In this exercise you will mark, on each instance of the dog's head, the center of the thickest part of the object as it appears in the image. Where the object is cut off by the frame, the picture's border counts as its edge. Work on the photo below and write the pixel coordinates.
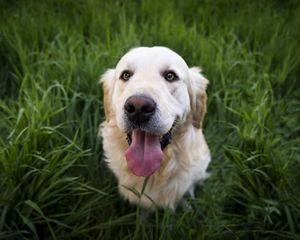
(150, 91)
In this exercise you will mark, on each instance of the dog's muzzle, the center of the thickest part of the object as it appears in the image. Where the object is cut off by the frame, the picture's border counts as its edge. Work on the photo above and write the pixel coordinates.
(144, 153)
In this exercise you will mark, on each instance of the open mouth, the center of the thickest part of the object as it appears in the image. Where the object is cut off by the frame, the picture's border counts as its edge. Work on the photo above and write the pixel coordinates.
(164, 140)
(144, 153)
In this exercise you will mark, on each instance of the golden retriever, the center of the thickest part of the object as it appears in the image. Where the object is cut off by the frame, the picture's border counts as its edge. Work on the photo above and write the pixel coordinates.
(154, 107)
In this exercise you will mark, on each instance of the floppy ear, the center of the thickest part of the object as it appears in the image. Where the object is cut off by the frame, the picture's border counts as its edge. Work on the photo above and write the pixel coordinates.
(197, 92)
(107, 81)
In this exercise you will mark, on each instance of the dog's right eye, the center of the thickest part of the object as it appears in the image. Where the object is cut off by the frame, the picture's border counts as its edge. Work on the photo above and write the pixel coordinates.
(170, 76)
(126, 75)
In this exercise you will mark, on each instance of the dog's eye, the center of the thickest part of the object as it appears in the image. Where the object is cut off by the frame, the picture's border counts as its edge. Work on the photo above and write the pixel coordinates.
(170, 76)
(125, 75)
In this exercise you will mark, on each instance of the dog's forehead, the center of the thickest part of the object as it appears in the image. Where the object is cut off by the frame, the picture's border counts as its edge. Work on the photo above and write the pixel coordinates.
(157, 57)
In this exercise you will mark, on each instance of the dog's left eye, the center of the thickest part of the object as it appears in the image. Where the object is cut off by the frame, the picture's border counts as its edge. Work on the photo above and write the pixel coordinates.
(125, 75)
(170, 76)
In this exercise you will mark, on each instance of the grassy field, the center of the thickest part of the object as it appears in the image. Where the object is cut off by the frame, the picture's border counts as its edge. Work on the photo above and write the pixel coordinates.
(53, 181)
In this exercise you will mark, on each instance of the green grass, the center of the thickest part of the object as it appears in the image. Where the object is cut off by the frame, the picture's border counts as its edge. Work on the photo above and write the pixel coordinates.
(54, 183)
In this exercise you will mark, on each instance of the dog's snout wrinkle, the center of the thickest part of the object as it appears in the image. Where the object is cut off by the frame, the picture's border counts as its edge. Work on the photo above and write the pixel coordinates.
(139, 108)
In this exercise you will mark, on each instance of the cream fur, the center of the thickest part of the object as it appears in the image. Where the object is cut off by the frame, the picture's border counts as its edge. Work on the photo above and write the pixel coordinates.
(187, 157)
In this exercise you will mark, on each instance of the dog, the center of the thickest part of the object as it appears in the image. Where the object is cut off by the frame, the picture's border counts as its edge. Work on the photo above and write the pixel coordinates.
(154, 107)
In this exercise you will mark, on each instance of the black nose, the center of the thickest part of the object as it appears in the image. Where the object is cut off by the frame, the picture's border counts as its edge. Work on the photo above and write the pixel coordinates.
(139, 108)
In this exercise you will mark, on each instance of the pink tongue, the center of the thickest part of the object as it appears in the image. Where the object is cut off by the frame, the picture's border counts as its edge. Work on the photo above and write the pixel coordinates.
(144, 153)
